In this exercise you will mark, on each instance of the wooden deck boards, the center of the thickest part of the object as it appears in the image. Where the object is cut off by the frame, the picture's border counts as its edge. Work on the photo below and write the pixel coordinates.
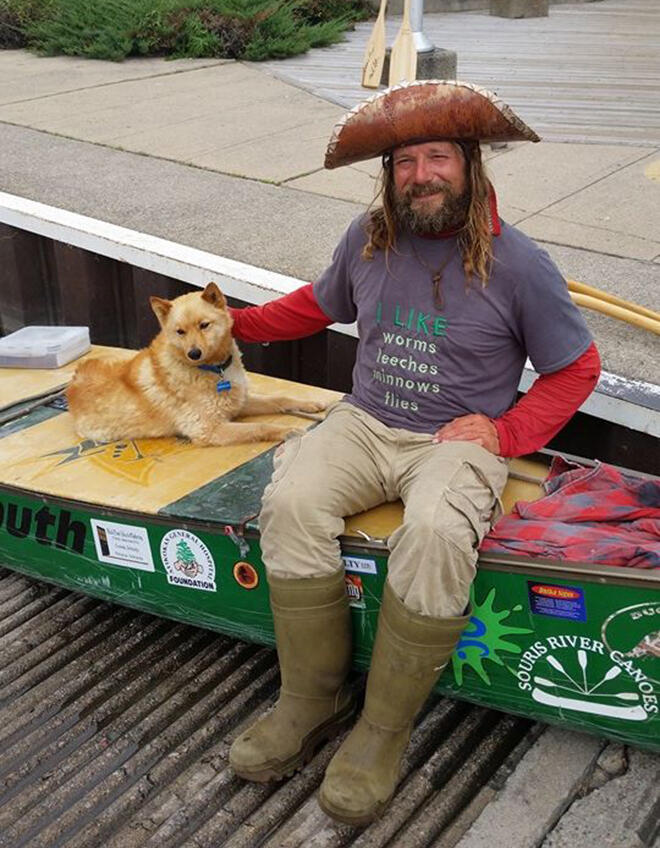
(589, 72)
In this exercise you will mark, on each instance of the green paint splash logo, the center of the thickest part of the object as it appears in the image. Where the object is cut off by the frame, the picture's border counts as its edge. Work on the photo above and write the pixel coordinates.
(484, 637)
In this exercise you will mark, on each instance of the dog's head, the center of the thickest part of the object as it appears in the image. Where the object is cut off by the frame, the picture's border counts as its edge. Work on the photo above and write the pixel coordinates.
(196, 325)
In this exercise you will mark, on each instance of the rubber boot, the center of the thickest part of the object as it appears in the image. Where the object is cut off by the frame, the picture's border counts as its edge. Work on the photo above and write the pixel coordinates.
(409, 654)
(313, 636)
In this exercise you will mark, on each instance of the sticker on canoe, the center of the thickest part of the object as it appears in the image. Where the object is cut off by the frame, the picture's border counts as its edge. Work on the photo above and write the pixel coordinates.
(577, 674)
(245, 574)
(187, 560)
(488, 637)
(133, 459)
(634, 633)
(355, 591)
(122, 544)
(360, 565)
(557, 601)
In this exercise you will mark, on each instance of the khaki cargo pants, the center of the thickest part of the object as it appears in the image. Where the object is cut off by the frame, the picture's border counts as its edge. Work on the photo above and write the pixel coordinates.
(352, 462)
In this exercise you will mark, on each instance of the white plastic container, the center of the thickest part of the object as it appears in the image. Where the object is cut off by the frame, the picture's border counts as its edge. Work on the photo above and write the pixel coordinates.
(43, 347)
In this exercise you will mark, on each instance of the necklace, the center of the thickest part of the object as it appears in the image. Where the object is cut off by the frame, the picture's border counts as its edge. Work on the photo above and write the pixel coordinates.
(435, 273)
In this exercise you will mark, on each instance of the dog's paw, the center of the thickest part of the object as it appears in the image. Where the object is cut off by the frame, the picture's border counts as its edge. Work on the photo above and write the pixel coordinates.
(276, 433)
(311, 405)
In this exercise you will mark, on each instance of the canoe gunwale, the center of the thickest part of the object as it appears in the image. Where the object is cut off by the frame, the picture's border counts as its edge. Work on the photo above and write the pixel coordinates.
(539, 566)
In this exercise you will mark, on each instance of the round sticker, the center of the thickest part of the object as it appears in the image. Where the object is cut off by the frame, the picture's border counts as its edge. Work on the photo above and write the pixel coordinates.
(634, 633)
(187, 560)
(246, 575)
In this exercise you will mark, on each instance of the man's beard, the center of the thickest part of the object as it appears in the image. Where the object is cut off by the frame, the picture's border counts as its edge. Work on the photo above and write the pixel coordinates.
(451, 214)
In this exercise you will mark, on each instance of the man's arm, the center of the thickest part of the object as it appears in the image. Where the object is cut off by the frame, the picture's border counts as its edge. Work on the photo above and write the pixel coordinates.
(293, 316)
(537, 417)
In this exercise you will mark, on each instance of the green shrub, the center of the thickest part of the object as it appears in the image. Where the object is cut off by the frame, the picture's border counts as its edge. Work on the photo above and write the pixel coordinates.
(283, 34)
(97, 29)
(322, 11)
(16, 16)
(237, 29)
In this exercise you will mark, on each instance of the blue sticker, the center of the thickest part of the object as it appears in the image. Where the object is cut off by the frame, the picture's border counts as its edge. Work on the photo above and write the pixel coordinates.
(557, 601)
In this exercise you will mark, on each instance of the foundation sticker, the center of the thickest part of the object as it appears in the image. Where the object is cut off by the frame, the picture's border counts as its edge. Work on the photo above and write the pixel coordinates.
(187, 560)
(122, 544)
(245, 574)
(577, 674)
(360, 565)
(355, 591)
(485, 637)
(557, 601)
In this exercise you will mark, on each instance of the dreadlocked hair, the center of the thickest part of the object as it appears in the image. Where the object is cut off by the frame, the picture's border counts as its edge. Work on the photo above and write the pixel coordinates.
(475, 240)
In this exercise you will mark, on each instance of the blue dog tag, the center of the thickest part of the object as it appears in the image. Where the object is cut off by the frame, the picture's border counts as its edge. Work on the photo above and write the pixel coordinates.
(222, 386)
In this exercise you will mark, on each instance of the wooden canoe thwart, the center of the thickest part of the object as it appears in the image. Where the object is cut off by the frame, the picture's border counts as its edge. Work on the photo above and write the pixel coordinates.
(172, 529)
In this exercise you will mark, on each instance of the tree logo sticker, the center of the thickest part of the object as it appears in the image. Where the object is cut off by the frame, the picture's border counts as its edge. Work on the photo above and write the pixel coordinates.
(187, 561)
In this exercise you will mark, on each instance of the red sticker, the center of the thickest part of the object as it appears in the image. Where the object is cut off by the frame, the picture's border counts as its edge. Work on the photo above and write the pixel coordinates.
(556, 592)
(246, 575)
(354, 590)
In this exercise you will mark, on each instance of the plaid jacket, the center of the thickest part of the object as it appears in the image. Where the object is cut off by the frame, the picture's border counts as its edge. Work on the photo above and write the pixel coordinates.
(593, 514)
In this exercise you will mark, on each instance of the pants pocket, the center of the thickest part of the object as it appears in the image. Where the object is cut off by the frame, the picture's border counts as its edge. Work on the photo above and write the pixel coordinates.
(283, 458)
(494, 478)
(475, 494)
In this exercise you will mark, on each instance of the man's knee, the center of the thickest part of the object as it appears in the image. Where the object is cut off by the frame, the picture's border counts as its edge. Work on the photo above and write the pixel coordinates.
(297, 505)
(433, 562)
(448, 532)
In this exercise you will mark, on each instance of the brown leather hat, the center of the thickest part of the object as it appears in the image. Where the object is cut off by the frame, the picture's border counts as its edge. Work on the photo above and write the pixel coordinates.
(419, 111)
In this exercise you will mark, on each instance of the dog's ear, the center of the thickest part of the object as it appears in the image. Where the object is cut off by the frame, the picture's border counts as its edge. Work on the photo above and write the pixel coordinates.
(161, 307)
(214, 296)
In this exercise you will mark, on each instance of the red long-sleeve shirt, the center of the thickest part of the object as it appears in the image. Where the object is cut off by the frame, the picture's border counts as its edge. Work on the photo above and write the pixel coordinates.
(529, 425)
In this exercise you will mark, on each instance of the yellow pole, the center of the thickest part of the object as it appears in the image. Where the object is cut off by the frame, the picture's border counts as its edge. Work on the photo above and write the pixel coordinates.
(616, 311)
(591, 291)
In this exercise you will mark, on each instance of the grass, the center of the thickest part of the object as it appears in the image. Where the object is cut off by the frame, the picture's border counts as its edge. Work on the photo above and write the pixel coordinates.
(236, 29)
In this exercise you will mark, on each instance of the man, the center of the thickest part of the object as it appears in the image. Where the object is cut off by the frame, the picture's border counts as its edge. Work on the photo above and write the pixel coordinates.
(449, 302)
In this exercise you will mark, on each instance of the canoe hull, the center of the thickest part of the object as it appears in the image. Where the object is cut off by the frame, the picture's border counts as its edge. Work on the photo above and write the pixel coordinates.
(554, 643)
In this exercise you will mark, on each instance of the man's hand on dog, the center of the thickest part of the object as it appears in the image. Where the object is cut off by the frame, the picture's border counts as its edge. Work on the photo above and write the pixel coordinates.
(470, 428)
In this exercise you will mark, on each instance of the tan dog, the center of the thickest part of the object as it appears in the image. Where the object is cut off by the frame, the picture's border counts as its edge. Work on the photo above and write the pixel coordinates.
(189, 382)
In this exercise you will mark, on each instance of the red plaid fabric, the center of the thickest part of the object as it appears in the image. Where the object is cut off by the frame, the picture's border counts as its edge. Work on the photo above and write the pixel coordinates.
(594, 514)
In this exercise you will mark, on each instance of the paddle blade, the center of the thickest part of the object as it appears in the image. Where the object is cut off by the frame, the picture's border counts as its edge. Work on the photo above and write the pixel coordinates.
(374, 55)
(403, 59)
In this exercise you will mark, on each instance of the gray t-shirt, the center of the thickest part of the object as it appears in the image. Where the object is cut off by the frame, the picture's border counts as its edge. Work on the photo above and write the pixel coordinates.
(419, 366)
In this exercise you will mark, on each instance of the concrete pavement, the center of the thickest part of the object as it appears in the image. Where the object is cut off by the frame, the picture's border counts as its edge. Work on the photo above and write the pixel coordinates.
(227, 157)
(224, 157)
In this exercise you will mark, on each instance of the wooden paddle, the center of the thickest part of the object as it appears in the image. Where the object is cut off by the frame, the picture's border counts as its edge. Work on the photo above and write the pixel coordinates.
(403, 59)
(374, 54)
(592, 291)
(614, 311)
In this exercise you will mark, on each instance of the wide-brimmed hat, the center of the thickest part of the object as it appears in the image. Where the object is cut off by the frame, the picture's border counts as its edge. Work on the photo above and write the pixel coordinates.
(419, 111)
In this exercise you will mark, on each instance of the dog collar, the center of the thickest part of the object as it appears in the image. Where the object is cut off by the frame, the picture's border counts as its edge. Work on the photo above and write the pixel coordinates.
(221, 385)
(217, 369)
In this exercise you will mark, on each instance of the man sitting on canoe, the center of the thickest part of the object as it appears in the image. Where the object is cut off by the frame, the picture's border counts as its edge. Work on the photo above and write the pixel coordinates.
(449, 301)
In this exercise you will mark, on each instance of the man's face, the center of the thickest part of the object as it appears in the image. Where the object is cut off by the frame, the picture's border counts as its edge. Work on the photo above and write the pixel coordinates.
(430, 187)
